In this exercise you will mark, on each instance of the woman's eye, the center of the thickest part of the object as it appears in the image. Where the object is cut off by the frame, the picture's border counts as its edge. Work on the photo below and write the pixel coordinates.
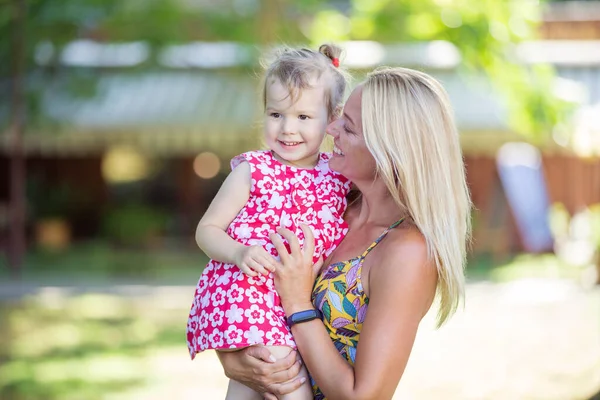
(303, 117)
(347, 130)
(275, 115)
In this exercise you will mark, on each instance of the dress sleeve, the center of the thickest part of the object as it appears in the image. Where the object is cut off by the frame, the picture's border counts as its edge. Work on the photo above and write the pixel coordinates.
(253, 159)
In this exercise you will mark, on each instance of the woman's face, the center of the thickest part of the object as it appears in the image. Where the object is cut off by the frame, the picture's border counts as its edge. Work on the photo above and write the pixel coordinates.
(351, 157)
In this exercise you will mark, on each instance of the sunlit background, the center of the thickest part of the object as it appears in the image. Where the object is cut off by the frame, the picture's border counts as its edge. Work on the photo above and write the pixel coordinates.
(118, 119)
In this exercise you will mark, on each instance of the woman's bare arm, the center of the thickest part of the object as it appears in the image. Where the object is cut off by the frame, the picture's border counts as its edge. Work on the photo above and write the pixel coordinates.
(402, 288)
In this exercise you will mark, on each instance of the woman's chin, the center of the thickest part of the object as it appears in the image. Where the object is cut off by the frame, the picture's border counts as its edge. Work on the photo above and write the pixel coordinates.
(335, 162)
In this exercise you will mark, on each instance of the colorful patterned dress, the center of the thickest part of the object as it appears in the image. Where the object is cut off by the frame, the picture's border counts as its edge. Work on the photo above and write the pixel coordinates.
(232, 310)
(339, 294)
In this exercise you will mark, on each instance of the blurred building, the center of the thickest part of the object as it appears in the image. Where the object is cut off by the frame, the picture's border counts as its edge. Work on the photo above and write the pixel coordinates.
(164, 137)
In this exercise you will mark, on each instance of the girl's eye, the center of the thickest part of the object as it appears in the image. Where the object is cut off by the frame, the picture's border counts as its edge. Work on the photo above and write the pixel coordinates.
(275, 115)
(347, 130)
(303, 117)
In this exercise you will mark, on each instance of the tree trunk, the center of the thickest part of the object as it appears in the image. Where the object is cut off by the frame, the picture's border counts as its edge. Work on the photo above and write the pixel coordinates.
(17, 241)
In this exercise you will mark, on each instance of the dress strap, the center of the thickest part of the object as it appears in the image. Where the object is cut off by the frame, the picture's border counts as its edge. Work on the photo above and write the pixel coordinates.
(380, 238)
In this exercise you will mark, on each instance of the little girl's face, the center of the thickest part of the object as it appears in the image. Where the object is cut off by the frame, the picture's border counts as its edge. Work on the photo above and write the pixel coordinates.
(295, 130)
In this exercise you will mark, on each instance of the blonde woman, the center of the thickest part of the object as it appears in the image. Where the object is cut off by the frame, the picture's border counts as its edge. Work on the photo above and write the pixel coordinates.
(408, 230)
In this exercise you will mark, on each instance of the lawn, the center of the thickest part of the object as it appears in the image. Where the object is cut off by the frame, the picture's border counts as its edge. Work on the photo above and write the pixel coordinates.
(105, 343)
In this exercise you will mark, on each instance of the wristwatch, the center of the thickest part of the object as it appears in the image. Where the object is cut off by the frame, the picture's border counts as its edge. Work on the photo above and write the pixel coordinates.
(303, 316)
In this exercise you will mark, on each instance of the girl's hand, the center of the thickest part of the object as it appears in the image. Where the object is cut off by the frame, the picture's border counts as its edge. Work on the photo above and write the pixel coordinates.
(295, 274)
(256, 368)
(254, 260)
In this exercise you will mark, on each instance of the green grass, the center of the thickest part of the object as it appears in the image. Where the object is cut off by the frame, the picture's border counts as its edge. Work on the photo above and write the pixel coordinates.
(55, 346)
(520, 266)
(98, 262)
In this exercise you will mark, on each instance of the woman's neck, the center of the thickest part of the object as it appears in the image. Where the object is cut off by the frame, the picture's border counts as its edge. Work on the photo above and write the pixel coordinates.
(377, 206)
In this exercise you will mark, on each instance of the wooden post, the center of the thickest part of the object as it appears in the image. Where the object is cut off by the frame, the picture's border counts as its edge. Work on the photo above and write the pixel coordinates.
(16, 250)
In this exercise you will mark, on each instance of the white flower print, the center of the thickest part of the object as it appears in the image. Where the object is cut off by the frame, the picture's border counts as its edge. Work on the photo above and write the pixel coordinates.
(254, 335)
(218, 297)
(216, 338)
(234, 314)
(276, 201)
(269, 217)
(205, 300)
(258, 280)
(193, 324)
(275, 336)
(233, 335)
(289, 341)
(231, 309)
(266, 185)
(223, 280)
(325, 215)
(204, 320)
(203, 341)
(286, 220)
(254, 296)
(235, 294)
(262, 231)
(243, 231)
(255, 315)
(265, 169)
(216, 318)
(273, 319)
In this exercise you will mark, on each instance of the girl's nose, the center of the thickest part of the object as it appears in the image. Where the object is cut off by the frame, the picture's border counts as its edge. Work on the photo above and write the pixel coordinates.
(289, 126)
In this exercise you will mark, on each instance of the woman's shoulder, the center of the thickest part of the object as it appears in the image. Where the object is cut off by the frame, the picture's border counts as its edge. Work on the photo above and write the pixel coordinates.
(405, 267)
(405, 246)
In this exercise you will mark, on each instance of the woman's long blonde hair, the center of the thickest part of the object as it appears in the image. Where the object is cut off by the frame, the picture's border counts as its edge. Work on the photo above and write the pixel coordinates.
(409, 128)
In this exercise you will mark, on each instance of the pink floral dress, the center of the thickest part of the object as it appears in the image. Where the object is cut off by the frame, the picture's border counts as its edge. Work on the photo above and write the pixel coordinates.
(232, 310)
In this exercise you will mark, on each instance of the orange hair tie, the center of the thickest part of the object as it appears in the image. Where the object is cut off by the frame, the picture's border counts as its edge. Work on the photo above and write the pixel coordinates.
(336, 62)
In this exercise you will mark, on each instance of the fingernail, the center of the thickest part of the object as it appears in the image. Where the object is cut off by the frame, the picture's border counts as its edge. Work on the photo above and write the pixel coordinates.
(300, 361)
(302, 380)
(273, 359)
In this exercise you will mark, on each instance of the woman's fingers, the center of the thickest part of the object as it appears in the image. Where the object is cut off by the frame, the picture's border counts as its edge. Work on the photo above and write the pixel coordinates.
(317, 266)
(261, 353)
(292, 240)
(309, 242)
(280, 247)
(287, 387)
(288, 374)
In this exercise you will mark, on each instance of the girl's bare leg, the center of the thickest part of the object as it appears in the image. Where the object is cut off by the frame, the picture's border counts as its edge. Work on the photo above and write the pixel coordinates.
(304, 392)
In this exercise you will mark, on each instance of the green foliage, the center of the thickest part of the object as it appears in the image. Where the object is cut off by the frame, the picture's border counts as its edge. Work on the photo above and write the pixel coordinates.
(134, 224)
(483, 30)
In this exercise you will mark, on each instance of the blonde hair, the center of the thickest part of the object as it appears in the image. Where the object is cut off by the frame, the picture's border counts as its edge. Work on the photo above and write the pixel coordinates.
(409, 128)
(294, 68)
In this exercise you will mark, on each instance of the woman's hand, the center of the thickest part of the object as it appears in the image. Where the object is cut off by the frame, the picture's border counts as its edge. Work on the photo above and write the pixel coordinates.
(256, 368)
(295, 275)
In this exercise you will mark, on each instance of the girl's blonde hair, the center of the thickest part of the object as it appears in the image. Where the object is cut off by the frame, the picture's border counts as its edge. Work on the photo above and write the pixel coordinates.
(409, 128)
(295, 68)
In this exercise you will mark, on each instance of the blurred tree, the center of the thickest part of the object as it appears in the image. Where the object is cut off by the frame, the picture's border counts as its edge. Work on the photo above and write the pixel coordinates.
(30, 24)
(485, 32)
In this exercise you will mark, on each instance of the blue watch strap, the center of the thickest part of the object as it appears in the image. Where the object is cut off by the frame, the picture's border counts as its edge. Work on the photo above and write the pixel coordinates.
(304, 316)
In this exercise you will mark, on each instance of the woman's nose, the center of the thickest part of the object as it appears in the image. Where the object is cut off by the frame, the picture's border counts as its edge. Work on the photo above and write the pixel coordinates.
(333, 128)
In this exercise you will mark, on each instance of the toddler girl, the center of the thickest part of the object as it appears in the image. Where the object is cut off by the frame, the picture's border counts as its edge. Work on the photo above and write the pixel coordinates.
(235, 303)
